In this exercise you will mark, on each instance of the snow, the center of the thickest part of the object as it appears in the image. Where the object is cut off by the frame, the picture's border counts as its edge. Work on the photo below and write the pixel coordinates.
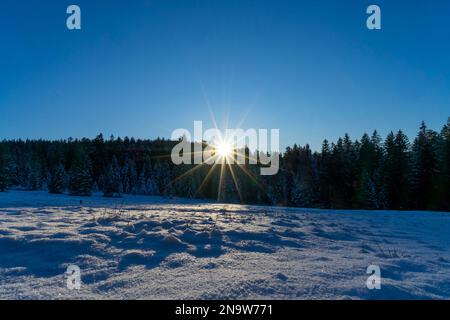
(140, 247)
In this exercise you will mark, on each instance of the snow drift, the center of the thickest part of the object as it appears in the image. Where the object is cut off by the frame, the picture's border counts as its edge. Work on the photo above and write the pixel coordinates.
(154, 248)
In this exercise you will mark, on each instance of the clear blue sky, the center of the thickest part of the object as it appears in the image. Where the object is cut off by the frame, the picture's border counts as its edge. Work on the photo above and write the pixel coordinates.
(145, 68)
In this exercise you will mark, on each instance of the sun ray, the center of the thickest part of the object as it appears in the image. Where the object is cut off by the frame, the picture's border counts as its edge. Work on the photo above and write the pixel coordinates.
(257, 183)
(233, 176)
(219, 192)
(210, 171)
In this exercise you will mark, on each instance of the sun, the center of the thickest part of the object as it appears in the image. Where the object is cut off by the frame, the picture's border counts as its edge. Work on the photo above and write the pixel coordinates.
(224, 149)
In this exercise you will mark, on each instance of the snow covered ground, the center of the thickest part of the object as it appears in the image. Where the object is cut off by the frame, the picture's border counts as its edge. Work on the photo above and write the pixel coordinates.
(153, 248)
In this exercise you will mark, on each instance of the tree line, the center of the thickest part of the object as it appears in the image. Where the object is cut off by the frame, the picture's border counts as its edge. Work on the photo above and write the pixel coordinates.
(370, 173)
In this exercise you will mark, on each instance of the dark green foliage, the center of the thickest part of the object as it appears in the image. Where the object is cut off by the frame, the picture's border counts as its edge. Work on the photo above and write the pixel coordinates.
(424, 168)
(35, 177)
(366, 197)
(397, 170)
(112, 186)
(4, 170)
(442, 197)
(80, 179)
(57, 177)
(347, 174)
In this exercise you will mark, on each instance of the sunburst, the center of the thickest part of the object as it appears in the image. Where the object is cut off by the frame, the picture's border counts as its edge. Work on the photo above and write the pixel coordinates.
(224, 149)
(225, 152)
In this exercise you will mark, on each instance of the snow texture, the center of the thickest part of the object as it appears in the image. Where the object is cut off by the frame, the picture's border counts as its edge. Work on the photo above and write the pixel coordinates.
(141, 247)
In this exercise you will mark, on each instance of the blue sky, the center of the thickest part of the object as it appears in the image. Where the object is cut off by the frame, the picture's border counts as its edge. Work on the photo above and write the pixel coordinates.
(144, 68)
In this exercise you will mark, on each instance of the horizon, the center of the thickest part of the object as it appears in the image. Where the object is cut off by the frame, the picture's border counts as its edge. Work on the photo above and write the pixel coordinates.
(107, 137)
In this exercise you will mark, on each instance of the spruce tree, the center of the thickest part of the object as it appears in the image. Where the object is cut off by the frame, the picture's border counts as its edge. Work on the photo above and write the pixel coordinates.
(161, 175)
(57, 176)
(133, 178)
(151, 187)
(112, 184)
(344, 173)
(442, 200)
(125, 177)
(4, 170)
(302, 194)
(140, 187)
(34, 178)
(366, 197)
(325, 180)
(396, 170)
(390, 168)
(424, 168)
(80, 179)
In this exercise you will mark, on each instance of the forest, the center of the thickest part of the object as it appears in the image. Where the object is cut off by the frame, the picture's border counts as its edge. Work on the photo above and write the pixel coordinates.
(369, 173)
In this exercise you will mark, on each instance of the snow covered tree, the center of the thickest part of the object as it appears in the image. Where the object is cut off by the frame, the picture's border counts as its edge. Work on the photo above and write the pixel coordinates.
(344, 174)
(276, 188)
(366, 197)
(227, 191)
(112, 184)
(302, 194)
(125, 178)
(132, 178)
(140, 186)
(80, 179)
(183, 180)
(146, 183)
(34, 179)
(57, 180)
(161, 175)
(151, 187)
(4, 170)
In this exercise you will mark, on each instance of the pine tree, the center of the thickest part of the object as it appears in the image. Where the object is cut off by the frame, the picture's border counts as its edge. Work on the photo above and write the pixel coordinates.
(161, 175)
(183, 181)
(112, 184)
(133, 178)
(99, 157)
(140, 187)
(344, 173)
(34, 179)
(80, 179)
(302, 194)
(277, 190)
(424, 168)
(151, 187)
(325, 181)
(4, 170)
(57, 176)
(228, 191)
(125, 177)
(23, 171)
(442, 199)
(146, 183)
(396, 170)
(366, 155)
(366, 197)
